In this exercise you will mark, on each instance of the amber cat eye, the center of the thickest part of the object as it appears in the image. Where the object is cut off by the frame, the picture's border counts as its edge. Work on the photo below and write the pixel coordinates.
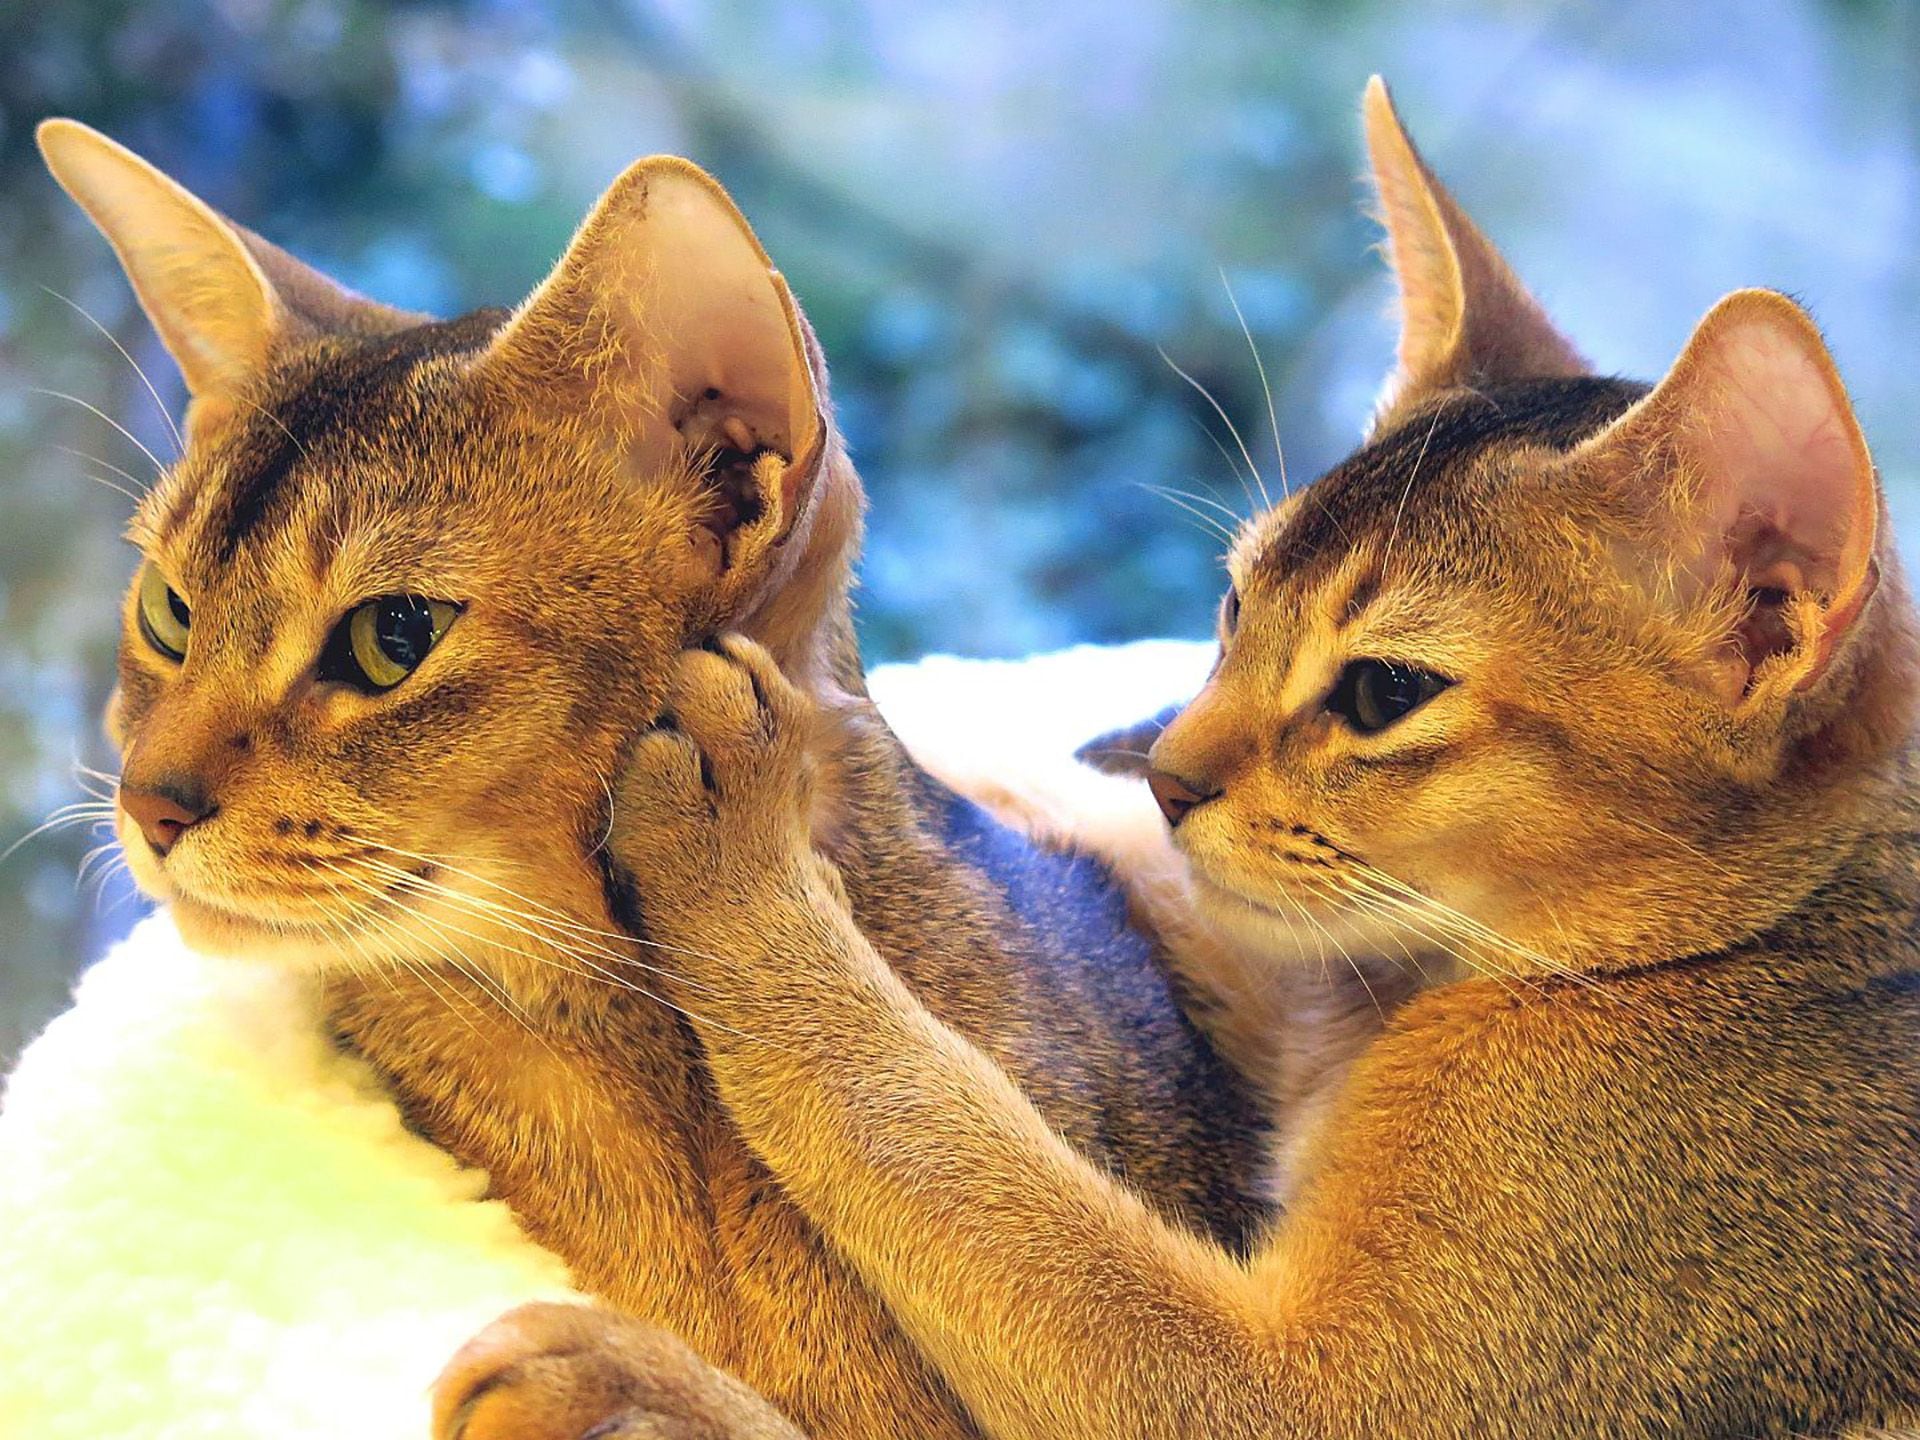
(164, 617)
(383, 641)
(1372, 694)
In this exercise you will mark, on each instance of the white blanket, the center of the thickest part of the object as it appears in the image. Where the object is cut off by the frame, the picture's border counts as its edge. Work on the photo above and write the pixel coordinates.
(213, 1224)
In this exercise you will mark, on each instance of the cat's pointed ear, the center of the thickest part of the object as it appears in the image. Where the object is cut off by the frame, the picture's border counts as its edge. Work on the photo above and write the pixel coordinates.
(221, 298)
(666, 322)
(1465, 317)
(1749, 460)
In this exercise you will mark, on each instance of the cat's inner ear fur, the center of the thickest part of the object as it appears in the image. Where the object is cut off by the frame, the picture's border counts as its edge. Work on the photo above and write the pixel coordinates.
(1465, 317)
(222, 299)
(666, 325)
(1749, 460)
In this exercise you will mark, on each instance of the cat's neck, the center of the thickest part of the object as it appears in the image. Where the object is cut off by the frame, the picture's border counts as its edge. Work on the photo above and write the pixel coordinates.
(1862, 919)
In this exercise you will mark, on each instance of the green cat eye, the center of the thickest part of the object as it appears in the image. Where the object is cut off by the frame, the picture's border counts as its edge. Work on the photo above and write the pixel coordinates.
(1370, 695)
(164, 616)
(383, 641)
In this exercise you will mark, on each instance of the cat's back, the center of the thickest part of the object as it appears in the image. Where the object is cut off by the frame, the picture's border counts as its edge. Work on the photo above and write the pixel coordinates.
(1721, 1156)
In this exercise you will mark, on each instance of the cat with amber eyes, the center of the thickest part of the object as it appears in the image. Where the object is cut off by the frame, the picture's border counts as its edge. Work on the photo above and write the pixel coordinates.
(1592, 702)
(405, 601)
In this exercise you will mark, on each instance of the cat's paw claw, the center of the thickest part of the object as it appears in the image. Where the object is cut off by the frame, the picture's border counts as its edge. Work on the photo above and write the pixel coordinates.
(579, 1372)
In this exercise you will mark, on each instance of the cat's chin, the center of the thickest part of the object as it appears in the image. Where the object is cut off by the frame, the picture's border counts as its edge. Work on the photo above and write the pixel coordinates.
(1285, 932)
(214, 930)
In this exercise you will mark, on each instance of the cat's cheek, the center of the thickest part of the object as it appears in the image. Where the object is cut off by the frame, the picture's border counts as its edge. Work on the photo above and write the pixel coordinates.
(208, 931)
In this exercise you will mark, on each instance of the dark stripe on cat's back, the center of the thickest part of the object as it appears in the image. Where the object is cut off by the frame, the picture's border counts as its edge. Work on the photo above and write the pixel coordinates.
(348, 388)
(1165, 1097)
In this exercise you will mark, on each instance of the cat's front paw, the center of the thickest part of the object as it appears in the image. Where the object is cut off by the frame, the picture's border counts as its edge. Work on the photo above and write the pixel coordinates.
(713, 807)
(579, 1372)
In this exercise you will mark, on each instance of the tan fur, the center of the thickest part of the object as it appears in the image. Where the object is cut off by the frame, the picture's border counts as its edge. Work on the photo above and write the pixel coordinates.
(1640, 1155)
(558, 1372)
(636, 457)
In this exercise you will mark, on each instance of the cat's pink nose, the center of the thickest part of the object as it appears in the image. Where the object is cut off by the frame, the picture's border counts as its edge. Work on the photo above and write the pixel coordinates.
(164, 812)
(1175, 796)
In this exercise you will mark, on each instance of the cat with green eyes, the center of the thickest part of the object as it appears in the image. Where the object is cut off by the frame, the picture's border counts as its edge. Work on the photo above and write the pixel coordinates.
(406, 600)
(1577, 712)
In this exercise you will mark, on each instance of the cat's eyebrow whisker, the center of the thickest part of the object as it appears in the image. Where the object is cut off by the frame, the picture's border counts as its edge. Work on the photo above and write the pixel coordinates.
(267, 414)
(1233, 465)
(1260, 365)
(129, 477)
(606, 836)
(114, 486)
(179, 440)
(1214, 500)
(1207, 522)
(132, 439)
(1226, 419)
(139, 490)
(1406, 490)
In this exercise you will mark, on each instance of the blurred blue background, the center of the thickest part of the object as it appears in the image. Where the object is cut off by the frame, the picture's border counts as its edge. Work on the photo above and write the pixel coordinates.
(998, 216)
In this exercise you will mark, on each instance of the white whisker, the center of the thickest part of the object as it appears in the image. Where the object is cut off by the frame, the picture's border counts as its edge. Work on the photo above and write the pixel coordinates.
(1226, 419)
(1260, 365)
(132, 439)
(179, 440)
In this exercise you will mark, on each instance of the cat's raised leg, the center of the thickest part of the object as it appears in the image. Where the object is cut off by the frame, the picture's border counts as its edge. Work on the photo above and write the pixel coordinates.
(929, 1169)
(582, 1372)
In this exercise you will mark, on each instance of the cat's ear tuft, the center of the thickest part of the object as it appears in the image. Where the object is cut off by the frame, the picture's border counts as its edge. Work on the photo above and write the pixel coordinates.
(221, 298)
(1465, 317)
(666, 322)
(1750, 458)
